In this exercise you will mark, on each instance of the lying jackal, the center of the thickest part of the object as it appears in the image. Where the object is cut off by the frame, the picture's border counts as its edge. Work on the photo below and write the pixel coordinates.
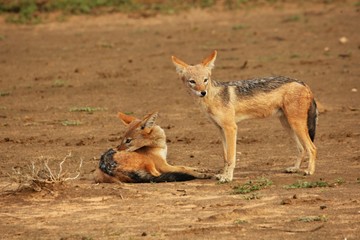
(141, 156)
(227, 103)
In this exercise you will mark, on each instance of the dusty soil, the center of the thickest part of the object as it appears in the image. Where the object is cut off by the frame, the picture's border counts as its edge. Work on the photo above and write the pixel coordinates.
(120, 63)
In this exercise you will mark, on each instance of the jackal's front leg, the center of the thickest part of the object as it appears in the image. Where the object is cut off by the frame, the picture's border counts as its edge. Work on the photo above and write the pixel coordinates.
(229, 144)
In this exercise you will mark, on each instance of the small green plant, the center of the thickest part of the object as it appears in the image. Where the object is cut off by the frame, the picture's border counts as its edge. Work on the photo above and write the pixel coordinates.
(294, 55)
(26, 12)
(293, 18)
(251, 186)
(206, 3)
(240, 221)
(251, 196)
(3, 94)
(234, 4)
(86, 238)
(239, 27)
(339, 181)
(58, 83)
(321, 218)
(320, 183)
(71, 123)
(305, 184)
(86, 109)
(106, 45)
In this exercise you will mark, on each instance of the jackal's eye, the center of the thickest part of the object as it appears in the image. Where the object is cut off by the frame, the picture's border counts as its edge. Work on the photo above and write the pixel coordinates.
(192, 81)
(128, 140)
(206, 80)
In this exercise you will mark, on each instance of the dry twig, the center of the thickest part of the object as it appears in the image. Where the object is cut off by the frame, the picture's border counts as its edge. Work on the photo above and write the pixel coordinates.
(39, 176)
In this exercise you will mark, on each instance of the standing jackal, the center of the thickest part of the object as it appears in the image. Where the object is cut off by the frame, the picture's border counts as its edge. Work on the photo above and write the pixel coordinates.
(141, 156)
(227, 103)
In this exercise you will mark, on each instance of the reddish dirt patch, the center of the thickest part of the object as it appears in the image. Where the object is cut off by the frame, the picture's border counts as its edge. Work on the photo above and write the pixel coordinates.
(117, 63)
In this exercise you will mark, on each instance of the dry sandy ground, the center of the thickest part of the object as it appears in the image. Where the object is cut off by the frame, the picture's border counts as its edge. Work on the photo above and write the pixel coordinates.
(116, 63)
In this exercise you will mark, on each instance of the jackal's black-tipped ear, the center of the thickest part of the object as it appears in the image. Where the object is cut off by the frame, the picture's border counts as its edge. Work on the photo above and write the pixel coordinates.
(125, 119)
(209, 62)
(180, 65)
(149, 121)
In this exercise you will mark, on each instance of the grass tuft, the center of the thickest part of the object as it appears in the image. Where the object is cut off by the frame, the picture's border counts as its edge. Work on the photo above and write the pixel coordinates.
(321, 218)
(252, 186)
(71, 123)
(305, 184)
(240, 221)
(316, 184)
(3, 94)
(58, 83)
(86, 109)
(239, 27)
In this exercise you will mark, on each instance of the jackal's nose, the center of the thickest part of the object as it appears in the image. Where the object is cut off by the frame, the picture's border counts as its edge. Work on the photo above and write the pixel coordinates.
(203, 93)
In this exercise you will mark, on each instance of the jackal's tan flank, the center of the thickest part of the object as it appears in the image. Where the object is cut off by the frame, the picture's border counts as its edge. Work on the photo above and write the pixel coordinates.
(141, 156)
(230, 102)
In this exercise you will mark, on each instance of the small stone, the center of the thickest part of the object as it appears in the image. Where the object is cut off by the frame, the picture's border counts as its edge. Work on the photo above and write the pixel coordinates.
(343, 40)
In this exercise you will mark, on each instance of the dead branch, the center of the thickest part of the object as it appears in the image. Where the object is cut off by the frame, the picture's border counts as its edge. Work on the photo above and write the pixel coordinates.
(41, 176)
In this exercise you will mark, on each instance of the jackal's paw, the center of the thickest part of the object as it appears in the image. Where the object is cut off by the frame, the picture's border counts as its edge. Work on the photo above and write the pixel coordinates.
(308, 172)
(292, 170)
(223, 178)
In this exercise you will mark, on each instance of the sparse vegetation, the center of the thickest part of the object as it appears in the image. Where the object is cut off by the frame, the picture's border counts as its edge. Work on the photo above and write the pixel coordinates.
(3, 94)
(58, 83)
(40, 176)
(31, 11)
(293, 18)
(86, 109)
(251, 196)
(240, 221)
(320, 183)
(295, 55)
(321, 218)
(35, 11)
(251, 186)
(239, 27)
(71, 123)
(305, 184)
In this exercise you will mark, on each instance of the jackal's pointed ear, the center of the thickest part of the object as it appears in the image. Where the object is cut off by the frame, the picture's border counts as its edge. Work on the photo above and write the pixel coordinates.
(125, 119)
(180, 65)
(149, 121)
(209, 62)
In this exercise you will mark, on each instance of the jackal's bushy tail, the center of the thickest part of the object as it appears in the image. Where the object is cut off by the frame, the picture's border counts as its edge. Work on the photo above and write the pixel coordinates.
(141, 177)
(107, 163)
(312, 119)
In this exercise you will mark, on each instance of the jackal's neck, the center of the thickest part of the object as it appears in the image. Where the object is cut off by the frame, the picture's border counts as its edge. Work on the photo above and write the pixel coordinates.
(158, 145)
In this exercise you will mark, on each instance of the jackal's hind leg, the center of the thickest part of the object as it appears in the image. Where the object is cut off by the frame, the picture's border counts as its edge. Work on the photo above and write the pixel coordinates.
(302, 138)
(165, 168)
(301, 150)
(300, 157)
